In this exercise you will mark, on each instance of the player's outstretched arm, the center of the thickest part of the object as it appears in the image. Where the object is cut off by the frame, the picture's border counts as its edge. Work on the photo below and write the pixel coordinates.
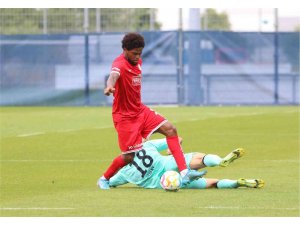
(111, 82)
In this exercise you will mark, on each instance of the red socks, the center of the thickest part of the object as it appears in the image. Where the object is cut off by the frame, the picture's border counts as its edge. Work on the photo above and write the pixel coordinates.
(175, 148)
(116, 164)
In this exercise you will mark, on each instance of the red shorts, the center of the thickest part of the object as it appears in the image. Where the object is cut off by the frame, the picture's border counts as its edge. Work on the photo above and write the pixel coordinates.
(131, 131)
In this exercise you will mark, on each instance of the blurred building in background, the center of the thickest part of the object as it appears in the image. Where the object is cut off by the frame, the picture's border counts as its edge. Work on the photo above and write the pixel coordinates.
(288, 24)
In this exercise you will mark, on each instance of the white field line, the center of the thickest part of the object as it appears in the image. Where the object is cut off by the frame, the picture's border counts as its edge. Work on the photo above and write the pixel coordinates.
(174, 121)
(74, 130)
(205, 207)
(60, 131)
(31, 134)
(36, 208)
(246, 208)
(218, 116)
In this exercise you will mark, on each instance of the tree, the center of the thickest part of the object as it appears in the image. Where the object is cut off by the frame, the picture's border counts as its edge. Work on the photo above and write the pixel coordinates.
(127, 19)
(19, 21)
(70, 20)
(211, 20)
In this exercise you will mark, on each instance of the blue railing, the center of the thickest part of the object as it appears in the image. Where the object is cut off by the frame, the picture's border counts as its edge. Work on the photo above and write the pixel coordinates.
(202, 68)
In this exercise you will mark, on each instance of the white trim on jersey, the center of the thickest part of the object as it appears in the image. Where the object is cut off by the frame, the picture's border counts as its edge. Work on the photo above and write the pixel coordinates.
(135, 150)
(115, 72)
(158, 126)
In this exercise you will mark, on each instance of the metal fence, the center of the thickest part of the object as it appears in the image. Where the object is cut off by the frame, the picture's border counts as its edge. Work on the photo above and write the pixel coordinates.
(186, 68)
(61, 56)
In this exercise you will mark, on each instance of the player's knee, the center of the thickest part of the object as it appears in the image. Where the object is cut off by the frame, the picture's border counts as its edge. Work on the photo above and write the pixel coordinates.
(173, 131)
(170, 130)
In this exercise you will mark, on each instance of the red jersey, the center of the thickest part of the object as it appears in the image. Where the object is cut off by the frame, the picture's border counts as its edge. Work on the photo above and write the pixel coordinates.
(127, 95)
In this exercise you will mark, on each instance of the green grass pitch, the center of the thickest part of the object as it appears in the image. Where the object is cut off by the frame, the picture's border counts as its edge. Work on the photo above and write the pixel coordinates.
(52, 157)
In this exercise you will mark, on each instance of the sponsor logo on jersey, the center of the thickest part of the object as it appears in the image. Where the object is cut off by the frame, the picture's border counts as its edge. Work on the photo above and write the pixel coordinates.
(135, 146)
(136, 80)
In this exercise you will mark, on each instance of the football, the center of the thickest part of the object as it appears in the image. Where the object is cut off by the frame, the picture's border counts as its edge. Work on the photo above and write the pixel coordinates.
(171, 181)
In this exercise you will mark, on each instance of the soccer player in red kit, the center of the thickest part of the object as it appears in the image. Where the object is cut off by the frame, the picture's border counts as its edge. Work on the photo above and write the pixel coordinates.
(132, 119)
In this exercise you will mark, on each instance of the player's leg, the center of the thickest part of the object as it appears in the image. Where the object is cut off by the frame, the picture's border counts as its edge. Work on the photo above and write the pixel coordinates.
(250, 183)
(227, 183)
(235, 154)
(115, 166)
(201, 160)
(202, 183)
(173, 141)
(130, 141)
(195, 161)
(154, 122)
(205, 183)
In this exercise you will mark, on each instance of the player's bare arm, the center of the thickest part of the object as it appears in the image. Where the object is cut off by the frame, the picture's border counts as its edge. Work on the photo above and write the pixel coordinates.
(111, 82)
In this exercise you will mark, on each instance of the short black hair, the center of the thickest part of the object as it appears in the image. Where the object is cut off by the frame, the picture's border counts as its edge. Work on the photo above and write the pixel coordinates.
(133, 40)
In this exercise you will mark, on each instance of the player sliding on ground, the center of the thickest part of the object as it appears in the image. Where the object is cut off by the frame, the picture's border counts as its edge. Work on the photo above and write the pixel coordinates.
(149, 165)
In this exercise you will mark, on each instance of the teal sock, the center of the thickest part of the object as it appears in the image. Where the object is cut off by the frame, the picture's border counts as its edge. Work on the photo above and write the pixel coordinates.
(225, 183)
(211, 160)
